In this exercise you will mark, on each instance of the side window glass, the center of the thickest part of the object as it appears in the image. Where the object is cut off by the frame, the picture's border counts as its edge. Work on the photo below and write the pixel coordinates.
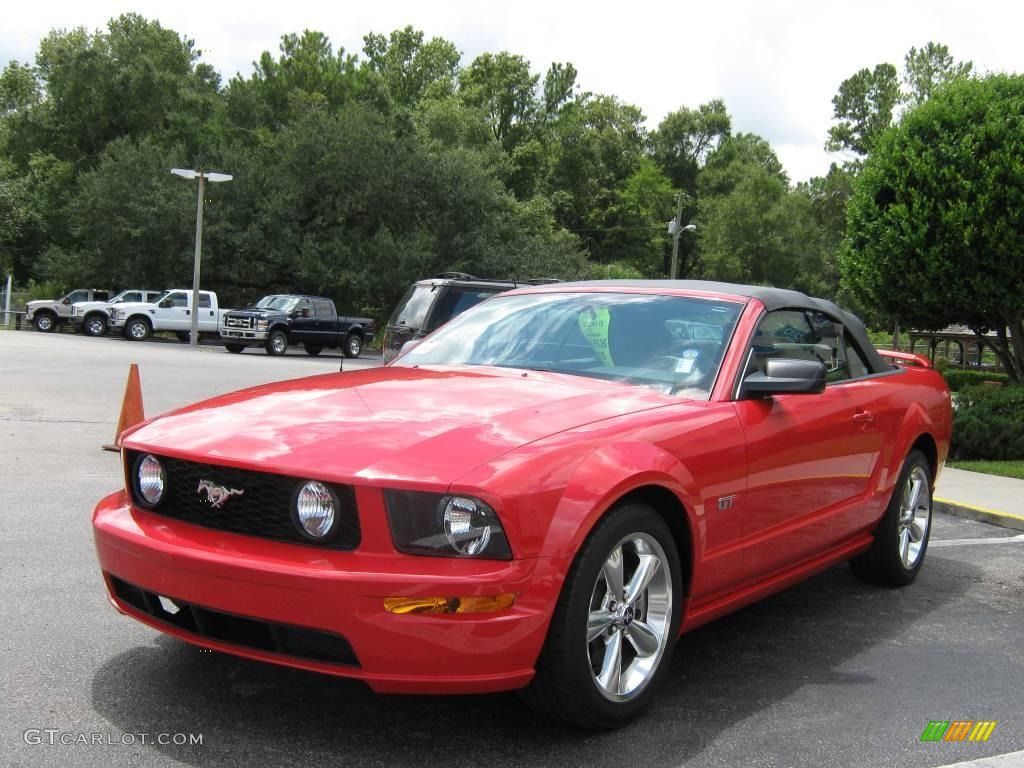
(855, 359)
(77, 296)
(178, 299)
(131, 297)
(324, 311)
(304, 309)
(801, 335)
(204, 301)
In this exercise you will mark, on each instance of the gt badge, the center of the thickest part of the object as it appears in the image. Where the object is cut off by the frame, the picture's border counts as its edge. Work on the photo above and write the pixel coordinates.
(217, 495)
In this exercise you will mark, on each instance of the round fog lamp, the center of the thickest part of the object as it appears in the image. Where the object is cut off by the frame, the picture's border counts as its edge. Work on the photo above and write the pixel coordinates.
(151, 480)
(465, 525)
(315, 510)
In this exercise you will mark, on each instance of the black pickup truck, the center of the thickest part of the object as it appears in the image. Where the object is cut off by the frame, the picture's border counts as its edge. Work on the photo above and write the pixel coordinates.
(282, 319)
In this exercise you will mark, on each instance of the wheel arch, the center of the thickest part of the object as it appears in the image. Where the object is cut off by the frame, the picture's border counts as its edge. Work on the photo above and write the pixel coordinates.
(673, 512)
(139, 316)
(626, 472)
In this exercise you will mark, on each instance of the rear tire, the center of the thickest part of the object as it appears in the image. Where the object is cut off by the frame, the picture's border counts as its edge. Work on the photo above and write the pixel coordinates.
(234, 348)
(312, 349)
(277, 343)
(901, 537)
(353, 345)
(615, 625)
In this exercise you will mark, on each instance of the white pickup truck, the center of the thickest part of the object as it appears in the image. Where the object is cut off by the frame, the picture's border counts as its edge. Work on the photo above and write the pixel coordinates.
(170, 312)
(93, 317)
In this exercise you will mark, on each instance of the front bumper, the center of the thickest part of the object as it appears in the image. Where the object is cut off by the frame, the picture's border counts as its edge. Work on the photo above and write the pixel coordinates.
(243, 335)
(338, 593)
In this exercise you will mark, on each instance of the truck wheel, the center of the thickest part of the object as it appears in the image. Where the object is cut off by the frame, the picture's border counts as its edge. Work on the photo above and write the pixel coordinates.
(353, 345)
(312, 349)
(234, 348)
(277, 343)
(615, 624)
(94, 325)
(45, 322)
(901, 537)
(183, 336)
(137, 329)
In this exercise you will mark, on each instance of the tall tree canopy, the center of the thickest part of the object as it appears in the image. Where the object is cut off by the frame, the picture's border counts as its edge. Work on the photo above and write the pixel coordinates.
(936, 222)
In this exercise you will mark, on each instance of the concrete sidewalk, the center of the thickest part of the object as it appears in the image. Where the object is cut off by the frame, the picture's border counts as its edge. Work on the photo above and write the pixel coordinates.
(989, 498)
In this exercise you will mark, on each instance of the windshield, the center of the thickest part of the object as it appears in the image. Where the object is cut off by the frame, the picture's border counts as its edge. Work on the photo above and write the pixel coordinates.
(412, 309)
(642, 339)
(282, 303)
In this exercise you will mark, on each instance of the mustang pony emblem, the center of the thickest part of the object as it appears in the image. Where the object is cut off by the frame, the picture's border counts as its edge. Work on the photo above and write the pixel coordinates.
(217, 494)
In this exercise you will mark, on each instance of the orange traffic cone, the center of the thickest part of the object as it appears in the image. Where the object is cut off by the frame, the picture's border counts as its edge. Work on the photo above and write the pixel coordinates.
(131, 407)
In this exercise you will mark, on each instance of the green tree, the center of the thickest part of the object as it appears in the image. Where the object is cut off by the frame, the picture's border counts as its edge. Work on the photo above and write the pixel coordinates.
(502, 86)
(306, 75)
(929, 68)
(863, 108)
(401, 70)
(935, 227)
(684, 140)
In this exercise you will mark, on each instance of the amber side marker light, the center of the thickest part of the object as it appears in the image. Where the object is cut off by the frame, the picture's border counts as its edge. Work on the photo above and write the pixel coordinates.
(449, 604)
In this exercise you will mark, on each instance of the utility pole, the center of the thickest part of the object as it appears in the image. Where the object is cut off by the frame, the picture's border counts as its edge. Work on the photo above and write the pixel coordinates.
(203, 176)
(676, 229)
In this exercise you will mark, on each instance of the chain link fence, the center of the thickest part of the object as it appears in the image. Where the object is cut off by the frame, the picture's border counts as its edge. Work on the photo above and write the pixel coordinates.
(12, 315)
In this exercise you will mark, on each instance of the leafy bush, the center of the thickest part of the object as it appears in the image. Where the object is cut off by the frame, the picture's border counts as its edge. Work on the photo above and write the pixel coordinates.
(959, 379)
(988, 423)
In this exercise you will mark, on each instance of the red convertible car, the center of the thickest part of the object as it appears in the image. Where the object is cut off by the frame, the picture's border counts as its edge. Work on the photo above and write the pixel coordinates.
(542, 495)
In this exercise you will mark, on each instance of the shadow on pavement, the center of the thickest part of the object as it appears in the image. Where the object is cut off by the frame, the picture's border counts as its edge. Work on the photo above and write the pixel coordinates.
(251, 713)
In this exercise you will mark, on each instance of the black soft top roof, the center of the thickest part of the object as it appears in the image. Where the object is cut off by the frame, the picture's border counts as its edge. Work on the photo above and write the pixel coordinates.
(772, 298)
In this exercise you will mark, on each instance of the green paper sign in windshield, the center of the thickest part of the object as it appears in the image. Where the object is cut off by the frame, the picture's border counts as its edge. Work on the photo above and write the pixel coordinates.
(594, 325)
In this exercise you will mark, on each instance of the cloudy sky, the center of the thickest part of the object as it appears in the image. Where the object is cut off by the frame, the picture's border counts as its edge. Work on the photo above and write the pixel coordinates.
(776, 64)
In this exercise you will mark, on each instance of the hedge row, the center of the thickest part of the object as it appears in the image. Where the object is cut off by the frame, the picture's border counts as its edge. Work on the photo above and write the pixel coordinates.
(988, 423)
(958, 378)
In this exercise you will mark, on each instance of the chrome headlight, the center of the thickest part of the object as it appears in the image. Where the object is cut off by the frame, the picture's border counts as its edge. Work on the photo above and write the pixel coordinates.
(445, 525)
(150, 480)
(316, 511)
(262, 325)
(119, 314)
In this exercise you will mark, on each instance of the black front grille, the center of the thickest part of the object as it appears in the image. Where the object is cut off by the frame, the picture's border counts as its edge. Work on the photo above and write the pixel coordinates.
(300, 642)
(263, 509)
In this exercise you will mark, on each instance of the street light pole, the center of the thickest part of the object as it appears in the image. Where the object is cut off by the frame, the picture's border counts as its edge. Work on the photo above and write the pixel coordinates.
(676, 230)
(203, 177)
(193, 338)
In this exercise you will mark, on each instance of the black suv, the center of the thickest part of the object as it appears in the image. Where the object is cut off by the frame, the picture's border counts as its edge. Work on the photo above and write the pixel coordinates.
(429, 304)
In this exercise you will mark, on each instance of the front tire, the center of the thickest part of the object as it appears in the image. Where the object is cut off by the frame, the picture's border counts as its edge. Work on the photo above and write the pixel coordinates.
(615, 624)
(45, 322)
(901, 538)
(234, 348)
(353, 345)
(277, 343)
(137, 329)
(94, 325)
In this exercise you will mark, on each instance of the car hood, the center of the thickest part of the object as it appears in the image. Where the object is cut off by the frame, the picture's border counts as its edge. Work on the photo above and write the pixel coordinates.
(418, 426)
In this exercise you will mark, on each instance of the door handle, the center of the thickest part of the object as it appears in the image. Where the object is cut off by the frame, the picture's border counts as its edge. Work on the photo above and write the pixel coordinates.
(863, 417)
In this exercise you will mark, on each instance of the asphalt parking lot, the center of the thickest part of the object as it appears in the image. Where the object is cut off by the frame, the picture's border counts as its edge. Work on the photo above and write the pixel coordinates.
(829, 673)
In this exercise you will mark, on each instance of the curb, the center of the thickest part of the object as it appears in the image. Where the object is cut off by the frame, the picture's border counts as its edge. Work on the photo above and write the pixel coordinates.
(991, 516)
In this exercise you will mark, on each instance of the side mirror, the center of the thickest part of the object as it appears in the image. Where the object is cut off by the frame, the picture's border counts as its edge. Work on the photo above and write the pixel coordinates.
(166, 303)
(304, 312)
(66, 301)
(784, 376)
